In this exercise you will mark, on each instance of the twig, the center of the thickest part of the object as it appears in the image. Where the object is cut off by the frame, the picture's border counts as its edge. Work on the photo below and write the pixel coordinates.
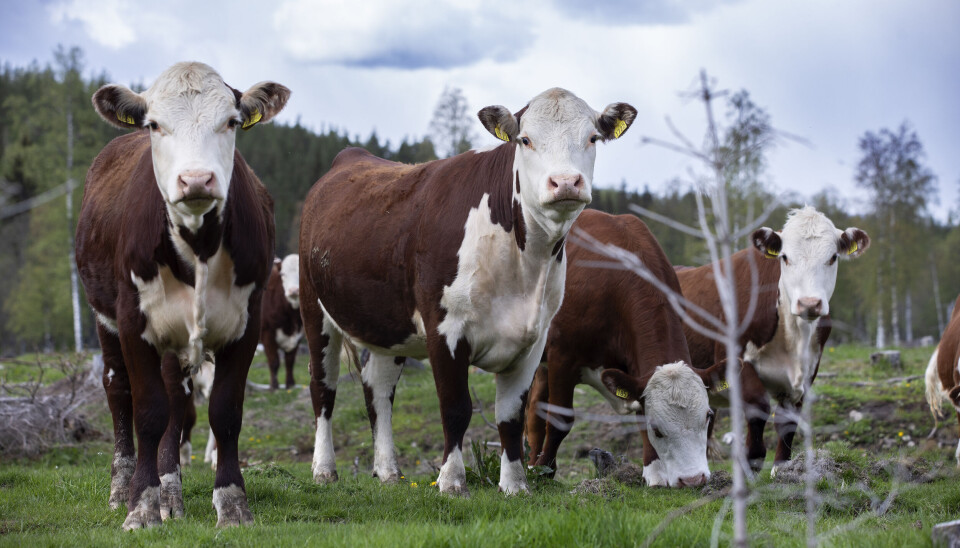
(479, 409)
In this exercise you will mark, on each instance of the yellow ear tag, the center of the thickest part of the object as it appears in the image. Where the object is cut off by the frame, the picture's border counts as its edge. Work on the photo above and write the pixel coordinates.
(125, 118)
(853, 249)
(721, 387)
(619, 129)
(771, 254)
(502, 135)
(255, 117)
(621, 393)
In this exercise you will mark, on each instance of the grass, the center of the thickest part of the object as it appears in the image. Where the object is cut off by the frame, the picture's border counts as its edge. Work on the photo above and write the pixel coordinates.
(59, 499)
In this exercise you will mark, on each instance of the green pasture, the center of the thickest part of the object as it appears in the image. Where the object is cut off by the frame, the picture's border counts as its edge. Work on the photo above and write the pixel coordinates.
(882, 461)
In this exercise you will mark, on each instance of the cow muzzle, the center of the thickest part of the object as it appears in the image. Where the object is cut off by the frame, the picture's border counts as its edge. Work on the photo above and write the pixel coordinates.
(197, 187)
(693, 481)
(809, 308)
(567, 189)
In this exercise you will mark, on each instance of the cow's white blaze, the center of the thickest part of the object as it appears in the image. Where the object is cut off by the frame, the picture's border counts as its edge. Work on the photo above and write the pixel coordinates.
(676, 409)
(290, 276)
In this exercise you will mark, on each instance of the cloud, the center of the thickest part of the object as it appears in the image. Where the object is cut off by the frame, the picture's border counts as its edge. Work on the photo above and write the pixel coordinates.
(631, 12)
(401, 34)
(107, 22)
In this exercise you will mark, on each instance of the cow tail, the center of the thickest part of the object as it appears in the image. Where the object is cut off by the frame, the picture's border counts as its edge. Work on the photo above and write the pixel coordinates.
(934, 392)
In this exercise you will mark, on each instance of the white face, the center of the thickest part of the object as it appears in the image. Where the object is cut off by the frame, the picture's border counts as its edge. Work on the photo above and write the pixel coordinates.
(678, 412)
(192, 116)
(809, 258)
(290, 276)
(555, 159)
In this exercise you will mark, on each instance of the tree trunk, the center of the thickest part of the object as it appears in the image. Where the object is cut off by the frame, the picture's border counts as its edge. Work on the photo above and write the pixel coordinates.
(881, 335)
(894, 303)
(936, 295)
(908, 318)
(72, 255)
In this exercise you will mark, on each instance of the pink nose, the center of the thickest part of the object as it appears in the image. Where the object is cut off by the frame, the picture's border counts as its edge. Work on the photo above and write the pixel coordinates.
(565, 187)
(693, 481)
(197, 185)
(810, 307)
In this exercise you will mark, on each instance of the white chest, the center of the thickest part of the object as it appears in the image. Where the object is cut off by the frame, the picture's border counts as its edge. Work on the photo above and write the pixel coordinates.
(502, 299)
(785, 362)
(288, 343)
(188, 319)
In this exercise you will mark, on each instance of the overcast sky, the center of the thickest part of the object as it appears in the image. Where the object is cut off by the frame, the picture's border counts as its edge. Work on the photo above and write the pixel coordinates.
(825, 70)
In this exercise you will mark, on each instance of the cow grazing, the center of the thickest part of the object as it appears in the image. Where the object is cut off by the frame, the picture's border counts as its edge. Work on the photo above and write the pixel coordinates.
(796, 274)
(459, 260)
(618, 334)
(280, 325)
(174, 247)
(943, 378)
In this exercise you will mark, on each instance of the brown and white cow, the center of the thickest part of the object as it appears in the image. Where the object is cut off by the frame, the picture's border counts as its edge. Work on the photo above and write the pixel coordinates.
(459, 260)
(943, 372)
(280, 325)
(174, 246)
(620, 335)
(796, 275)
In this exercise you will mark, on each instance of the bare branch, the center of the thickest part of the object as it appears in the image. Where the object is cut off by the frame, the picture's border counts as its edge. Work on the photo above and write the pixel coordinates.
(666, 220)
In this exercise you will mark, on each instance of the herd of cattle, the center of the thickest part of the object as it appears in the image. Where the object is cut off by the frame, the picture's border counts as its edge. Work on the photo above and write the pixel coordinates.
(465, 261)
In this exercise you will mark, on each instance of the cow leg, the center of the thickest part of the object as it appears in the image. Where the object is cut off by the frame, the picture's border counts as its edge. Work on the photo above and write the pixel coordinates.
(512, 390)
(272, 351)
(176, 382)
(226, 419)
(558, 424)
(456, 408)
(536, 426)
(956, 454)
(786, 430)
(150, 412)
(380, 375)
(116, 383)
(757, 410)
(291, 359)
(210, 453)
(324, 342)
(651, 463)
(189, 421)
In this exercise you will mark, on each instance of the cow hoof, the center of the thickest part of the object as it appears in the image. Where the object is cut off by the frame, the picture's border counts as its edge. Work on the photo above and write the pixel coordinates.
(118, 497)
(456, 491)
(171, 496)
(147, 511)
(326, 477)
(756, 465)
(514, 490)
(231, 505)
(121, 472)
(774, 470)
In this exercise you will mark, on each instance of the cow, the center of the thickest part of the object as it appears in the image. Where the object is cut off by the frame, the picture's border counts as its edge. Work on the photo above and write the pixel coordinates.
(174, 246)
(460, 260)
(796, 273)
(620, 335)
(280, 325)
(943, 372)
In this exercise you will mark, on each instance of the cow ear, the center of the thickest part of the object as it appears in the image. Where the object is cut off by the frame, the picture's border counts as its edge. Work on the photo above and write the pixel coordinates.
(714, 377)
(852, 243)
(624, 387)
(615, 120)
(120, 107)
(262, 102)
(768, 242)
(499, 122)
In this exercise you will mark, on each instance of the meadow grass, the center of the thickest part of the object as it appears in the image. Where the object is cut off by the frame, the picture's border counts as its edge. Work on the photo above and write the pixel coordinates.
(59, 498)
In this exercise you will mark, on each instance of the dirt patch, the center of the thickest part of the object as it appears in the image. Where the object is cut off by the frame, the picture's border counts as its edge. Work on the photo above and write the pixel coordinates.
(824, 466)
(601, 487)
(720, 480)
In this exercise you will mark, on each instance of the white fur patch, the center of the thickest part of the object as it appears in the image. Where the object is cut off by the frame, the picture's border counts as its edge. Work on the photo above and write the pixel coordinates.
(324, 461)
(186, 451)
(171, 496)
(110, 374)
(123, 468)
(186, 386)
(110, 325)
(381, 375)
(288, 343)
(513, 476)
(453, 475)
(231, 505)
(651, 474)
(147, 511)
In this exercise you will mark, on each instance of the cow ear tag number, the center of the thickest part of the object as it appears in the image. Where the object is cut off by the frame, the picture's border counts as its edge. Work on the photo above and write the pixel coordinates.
(721, 387)
(255, 117)
(502, 135)
(772, 254)
(853, 248)
(125, 118)
(619, 128)
(621, 393)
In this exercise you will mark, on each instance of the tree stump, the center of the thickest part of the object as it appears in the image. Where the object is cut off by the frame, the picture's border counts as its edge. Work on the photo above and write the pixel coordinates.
(888, 356)
(946, 535)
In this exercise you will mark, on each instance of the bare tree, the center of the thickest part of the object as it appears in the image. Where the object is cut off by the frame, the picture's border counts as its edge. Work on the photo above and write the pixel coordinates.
(451, 127)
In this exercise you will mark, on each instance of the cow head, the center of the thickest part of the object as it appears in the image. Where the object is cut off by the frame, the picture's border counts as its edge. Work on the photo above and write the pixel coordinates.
(808, 249)
(192, 117)
(290, 276)
(674, 401)
(556, 136)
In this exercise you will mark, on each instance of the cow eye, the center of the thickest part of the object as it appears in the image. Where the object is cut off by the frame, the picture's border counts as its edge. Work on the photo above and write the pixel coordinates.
(525, 141)
(784, 259)
(657, 432)
(232, 123)
(594, 139)
(833, 260)
(153, 126)
(710, 414)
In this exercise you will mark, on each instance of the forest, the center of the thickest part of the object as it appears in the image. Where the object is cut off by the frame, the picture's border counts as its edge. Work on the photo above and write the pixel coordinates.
(901, 291)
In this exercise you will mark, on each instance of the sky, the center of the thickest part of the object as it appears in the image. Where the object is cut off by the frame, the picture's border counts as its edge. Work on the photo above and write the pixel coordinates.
(824, 70)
